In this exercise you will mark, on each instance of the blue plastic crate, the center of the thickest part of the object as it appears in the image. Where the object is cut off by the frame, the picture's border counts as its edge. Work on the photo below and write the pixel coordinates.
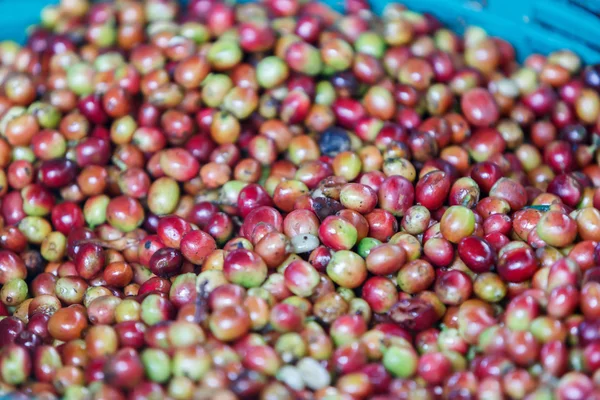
(539, 26)
(532, 26)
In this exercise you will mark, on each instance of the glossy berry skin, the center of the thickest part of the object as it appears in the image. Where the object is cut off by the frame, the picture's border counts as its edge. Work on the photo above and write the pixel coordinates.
(67, 323)
(57, 173)
(252, 196)
(166, 262)
(264, 214)
(125, 213)
(517, 265)
(337, 233)
(358, 197)
(431, 190)
(229, 323)
(477, 254)
(380, 293)
(171, 230)
(90, 260)
(124, 369)
(457, 223)
(196, 245)
(347, 269)
(434, 367)
(413, 314)
(486, 174)
(385, 259)
(66, 216)
(479, 107)
(556, 229)
(453, 287)
(245, 268)
(347, 329)
(301, 278)
(396, 195)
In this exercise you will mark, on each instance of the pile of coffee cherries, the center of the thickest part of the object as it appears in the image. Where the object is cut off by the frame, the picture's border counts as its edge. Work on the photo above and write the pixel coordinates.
(275, 201)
